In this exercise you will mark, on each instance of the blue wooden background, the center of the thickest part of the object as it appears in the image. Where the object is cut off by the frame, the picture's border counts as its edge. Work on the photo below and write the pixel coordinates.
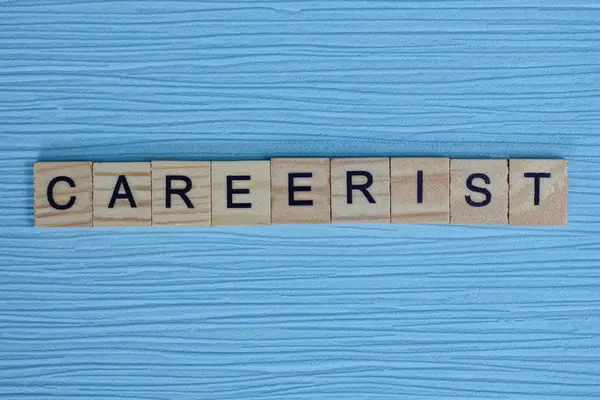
(298, 312)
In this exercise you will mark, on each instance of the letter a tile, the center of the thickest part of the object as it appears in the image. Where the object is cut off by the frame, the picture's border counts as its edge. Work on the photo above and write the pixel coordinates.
(122, 194)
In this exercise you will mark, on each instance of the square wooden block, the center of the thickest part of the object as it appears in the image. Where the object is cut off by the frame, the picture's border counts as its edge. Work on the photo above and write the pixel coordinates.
(122, 194)
(241, 192)
(479, 191)
(420, 190)
(538, 192)
(63, 194)
(360, 190)
(181, 193)
(300, 190)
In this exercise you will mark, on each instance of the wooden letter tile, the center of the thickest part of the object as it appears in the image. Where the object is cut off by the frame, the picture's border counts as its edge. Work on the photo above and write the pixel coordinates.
(360, 190)
(63, 194)
(300, 190)
(122, 194)
(420, 190)
(241, 192)
(538, 192)
(479, 191)
(181, 193)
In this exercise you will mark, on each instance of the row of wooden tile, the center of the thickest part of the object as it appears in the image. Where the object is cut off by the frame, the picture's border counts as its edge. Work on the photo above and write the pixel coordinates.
(301, 190)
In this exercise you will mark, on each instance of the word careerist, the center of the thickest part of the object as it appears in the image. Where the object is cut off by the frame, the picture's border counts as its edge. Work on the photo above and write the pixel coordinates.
(301, 190)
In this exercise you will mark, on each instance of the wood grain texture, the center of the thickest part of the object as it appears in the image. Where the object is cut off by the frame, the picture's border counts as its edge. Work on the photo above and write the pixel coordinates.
(538, 199)
(241, 192)
(73, 191)
(478, 192)
(368, 199)
(324, 312)
(177, 212)
(122, 194)
(314, 191)
(431, 204)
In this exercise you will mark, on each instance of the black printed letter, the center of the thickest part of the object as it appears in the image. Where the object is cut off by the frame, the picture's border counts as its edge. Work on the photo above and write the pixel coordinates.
(292, 189)
(50, 193)
(363, 188)
(180, 192)
(419, 186)
(122, 181)
(471, 187)
(231, 191)
(536, 184)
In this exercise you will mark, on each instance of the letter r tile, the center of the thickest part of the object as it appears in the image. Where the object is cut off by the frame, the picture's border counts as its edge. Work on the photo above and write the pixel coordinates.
(360, 190)
(181, 193)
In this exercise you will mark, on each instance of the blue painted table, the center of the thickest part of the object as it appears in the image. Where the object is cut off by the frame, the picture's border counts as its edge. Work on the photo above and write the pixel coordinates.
(297, 312)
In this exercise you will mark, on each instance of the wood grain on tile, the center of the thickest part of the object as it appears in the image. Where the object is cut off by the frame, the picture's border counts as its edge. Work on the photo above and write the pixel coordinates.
(122, 194)
(420, 189)
(538, 192)
(360, 190)
(241, 192)
(300, 190)
(181, 193)
(479, 191)
(63, 194)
